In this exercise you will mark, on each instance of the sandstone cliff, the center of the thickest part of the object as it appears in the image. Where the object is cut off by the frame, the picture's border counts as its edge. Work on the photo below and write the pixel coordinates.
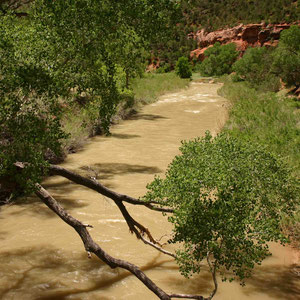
(255, 35)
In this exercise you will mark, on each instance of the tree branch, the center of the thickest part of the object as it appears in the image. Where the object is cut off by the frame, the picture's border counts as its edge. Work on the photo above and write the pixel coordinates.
(135, 227)
(98, 187)
(186, 296)
(141, 231)
(212, 269)
(93, 247)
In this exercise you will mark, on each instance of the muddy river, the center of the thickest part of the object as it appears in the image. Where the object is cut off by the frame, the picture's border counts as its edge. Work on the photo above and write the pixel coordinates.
(43, 258)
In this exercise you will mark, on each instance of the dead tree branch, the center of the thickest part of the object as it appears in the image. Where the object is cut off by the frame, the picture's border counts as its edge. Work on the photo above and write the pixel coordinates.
(135, 227)
(92, 247)
(98, 187)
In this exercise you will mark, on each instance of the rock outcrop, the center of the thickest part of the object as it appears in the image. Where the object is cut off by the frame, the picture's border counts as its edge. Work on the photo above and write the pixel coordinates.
(255, 35)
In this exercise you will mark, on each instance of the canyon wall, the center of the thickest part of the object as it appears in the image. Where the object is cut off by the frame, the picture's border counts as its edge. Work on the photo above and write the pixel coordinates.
(254, 35)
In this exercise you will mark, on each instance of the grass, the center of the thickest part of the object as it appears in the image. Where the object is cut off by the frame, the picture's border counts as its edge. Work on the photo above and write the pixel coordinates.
(272, 120)
(151, 86)
(79, 123)
(265, 118)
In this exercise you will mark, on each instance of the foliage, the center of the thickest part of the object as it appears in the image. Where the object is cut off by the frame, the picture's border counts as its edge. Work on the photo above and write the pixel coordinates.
(213, 15)
(287, 56)
(219, 59)
(64, 50)
(183, 68)
(255, 68)
(270, 120)
(229, 197)
(264, 118)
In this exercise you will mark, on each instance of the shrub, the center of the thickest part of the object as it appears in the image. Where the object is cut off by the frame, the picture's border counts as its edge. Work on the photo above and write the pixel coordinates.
(164, 68)
(219, 60)
(183, 68)
(255, 67)
(287, 56)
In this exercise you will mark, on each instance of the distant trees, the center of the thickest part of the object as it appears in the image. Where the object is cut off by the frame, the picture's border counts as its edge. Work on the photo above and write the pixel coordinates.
(255, 67)
(219, 60)
(213, 15)
(183, 68)
(287, 56)
(263, 67)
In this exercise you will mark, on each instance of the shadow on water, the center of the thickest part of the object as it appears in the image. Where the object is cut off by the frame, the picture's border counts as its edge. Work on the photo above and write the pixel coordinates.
(148, 117)
(105, 171)
(34, 207)
(49, 273)
(33, 269)
(276, 281)
(124, 136)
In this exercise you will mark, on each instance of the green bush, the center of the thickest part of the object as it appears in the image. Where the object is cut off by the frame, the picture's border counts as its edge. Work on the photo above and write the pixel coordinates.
(219, 60)
(229, 197)
(164, 68)
(287, 56)
(183, 68)
(255, 67)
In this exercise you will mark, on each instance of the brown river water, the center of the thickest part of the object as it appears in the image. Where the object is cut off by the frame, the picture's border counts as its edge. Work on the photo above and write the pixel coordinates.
(43, 258)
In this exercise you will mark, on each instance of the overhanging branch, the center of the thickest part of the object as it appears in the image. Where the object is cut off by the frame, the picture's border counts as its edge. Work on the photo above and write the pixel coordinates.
(92, 247)
(135, 227)
(98, 187)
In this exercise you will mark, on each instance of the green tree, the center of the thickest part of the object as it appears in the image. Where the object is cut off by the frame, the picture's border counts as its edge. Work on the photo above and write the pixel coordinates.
(228, 199)
(183, 68)
(219, 59)
(61, 50)
(287, 56)
(255, 67)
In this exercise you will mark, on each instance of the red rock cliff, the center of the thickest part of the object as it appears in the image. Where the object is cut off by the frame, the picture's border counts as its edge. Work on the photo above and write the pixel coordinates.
(255, 35)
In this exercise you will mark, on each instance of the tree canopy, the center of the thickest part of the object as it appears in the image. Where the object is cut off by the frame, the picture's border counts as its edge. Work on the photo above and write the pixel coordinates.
(228, 197)
(61, 50)
(219, 59)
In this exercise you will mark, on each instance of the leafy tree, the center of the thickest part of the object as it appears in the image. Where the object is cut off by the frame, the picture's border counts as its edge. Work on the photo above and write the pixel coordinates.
(183, 68)
(228, 199)
(219, 59)
(61, 50)
(255, 68)
(287, 56)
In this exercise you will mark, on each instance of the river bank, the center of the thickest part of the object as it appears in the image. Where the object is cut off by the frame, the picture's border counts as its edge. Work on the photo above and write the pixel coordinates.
(80, 120)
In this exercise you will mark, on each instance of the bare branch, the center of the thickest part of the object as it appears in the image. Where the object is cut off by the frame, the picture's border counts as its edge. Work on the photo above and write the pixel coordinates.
(185, 296)
(132, 224)
(92, 247)
(98, 187)
(135, 227)
(157, 247)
